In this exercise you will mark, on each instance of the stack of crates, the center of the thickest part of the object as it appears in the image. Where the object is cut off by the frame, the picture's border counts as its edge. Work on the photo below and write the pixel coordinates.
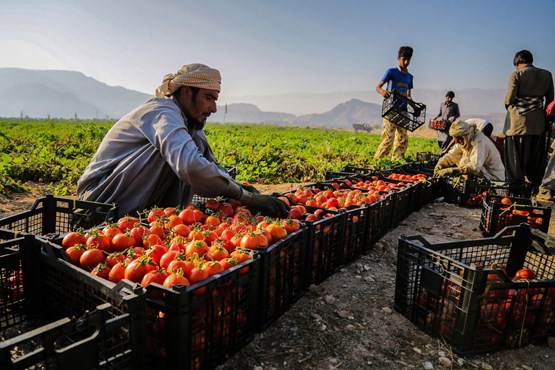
(462, 291)
(52, 315)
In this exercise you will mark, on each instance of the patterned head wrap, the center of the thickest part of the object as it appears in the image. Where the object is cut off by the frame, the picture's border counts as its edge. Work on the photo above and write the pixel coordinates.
(195, 75)
(463, 129)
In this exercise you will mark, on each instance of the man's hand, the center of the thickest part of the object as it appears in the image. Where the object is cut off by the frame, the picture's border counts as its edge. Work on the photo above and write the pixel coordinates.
(385, 94)
(448, 171)
(266, 204)
(437, 168)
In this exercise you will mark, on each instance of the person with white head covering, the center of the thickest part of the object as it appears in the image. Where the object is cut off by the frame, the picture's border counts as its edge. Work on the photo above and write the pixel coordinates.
(151, 156)
(472, 154)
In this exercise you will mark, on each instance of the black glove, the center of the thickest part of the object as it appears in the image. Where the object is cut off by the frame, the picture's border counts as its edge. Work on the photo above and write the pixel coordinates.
(250, 188)
(265, 204)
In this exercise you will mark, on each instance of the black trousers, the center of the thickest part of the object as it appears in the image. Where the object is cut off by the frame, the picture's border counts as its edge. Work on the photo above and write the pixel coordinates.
(525, 158)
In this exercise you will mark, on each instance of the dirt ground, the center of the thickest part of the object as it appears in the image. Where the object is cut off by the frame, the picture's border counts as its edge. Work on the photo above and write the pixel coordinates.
(348, 321)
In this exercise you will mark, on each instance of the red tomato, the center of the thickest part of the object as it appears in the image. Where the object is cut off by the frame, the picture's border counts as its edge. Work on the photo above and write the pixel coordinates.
(217, 251)
(198, 274)
(110, 231)
(156, 252)
(506, 201)
(212, 204)
(187, 216)
(524, 274)
(72, 238)
(196, 247)
(139, 232)
(98, 241)
(253, 240)
(121, 242)
(117, 272)
(155, 276)
(167, 258)
(213, 268)
(176, 279)
(295, 212)
(181, 229)
(114, 258)
(276, 231)
(152, 239)
(127, 223)
(228, 263)
(226, 209)
(91, 257)
(138, 268)
(185, 266)
(291, 225)
(102, 270)
(74, 253)
(154, 214)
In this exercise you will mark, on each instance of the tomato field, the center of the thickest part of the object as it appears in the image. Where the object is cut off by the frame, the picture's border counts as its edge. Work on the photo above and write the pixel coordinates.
(57, 151)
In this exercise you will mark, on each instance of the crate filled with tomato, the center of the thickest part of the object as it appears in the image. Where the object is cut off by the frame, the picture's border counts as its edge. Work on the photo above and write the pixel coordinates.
(205, 270)
(499, 212)
(479, 295)
(51, 215)
(52, 315)
(351, 202)
(470, 191)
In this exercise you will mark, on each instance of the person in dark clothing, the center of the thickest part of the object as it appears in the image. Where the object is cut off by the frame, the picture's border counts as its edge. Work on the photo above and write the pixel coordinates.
(448, 112)
(530, 90)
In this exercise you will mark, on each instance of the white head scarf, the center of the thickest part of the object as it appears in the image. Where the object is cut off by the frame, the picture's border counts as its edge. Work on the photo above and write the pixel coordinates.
(195, 75)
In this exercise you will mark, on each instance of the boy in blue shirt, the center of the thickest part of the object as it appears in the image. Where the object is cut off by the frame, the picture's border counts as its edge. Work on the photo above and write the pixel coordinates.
(401, 80)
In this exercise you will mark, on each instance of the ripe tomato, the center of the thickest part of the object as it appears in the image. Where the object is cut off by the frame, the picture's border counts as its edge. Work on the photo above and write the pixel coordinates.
(241, 256)
(295, 212)
(138, 268)
(506, 201)
(217, 252)
(181, 229)
(114, 258)
(98, 241)
(226, 209)
(196, 248)
(91, 257)
(167, 258)
(183, 265)
(155, 276)
(138, 232)
(102, 270)
(290, 225)
(187, 216)
(156, 252)
(121, 242)
(127, 223)
(74, 253)
(72, 238)
(524, 274)
(176, 279)
(110, 231)
(228, 263)
(213, 268)
(212, 204)
(276, 231)
(253, 240)
(172, 221)
(152, 239)
(198, 274)
(154, 214)
(117, 272)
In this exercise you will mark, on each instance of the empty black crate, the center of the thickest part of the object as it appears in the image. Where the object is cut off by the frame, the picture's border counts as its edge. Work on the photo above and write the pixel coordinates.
(325, 239)
(200, 326)
(497, 215)
(68, 319)
(54, 215)
(455, 291)
(403, 112)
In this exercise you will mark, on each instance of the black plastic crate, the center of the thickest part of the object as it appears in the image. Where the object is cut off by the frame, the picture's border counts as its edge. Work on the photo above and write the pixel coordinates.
(356, 227)
(470, 191)
(200, 326)
(357, 233)
(403, 112)
(53, 315)
(497, 215)
(325, 239)
(54, 215)
(455, 291)
(283, 277)
(427, 157)
(380, 216)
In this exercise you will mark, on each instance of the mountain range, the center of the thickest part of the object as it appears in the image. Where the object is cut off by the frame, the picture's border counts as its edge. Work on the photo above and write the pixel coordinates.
(68, 94)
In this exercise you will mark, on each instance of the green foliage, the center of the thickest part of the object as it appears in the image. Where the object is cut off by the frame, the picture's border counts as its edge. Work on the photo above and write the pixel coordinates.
(57, 151)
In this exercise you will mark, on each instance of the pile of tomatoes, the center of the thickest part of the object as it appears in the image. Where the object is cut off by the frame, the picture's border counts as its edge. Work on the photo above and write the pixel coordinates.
(180, 246)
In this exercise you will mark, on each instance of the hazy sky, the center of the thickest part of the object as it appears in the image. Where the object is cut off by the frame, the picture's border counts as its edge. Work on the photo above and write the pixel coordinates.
(271, 47)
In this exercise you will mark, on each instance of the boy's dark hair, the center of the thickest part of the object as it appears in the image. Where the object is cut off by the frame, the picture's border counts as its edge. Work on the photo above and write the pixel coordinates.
(523, 57)
(450, 94)
(405, 52)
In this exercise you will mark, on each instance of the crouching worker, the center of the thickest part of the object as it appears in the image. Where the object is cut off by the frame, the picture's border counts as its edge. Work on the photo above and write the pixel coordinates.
(472, 154)
(157, 155)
